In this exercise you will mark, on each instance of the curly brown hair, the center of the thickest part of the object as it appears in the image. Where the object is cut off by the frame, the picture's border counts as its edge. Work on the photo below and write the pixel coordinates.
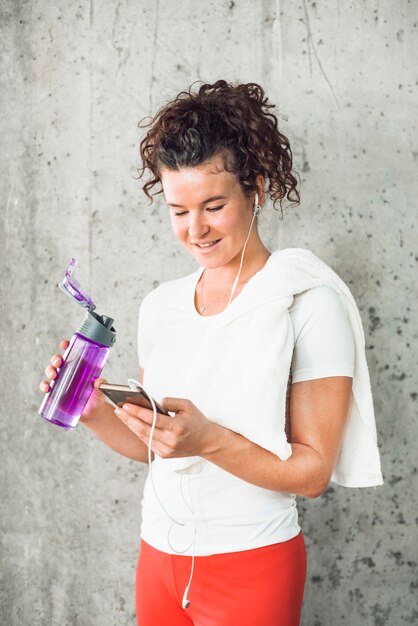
(232, 121)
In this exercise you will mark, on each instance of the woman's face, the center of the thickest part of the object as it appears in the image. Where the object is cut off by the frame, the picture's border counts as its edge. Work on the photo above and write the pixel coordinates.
(209, 212)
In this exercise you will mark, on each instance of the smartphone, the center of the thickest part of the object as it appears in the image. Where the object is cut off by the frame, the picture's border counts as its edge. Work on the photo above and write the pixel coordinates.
(119, 394)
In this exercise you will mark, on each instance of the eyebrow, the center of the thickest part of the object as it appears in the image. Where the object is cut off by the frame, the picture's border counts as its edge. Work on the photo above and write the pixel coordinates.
(211, 199)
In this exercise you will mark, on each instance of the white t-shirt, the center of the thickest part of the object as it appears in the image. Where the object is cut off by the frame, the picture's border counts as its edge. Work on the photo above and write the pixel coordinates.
(228, 513)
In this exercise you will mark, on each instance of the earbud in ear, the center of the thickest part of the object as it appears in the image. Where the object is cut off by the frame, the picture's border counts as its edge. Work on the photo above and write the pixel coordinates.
(257, 207)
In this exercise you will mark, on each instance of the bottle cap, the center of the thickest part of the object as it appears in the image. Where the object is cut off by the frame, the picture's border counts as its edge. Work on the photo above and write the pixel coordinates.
(98, 328)
(72, 288)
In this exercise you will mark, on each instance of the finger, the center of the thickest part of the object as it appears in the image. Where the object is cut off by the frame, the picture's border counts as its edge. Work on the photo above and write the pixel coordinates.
(64, 344)
(158, 448)
(44, 386)
(56, 360)
(136, 414)
(141, 429)
(158, 443)
(175, 404)
(51, 372)
(147, 415)
(98, 382)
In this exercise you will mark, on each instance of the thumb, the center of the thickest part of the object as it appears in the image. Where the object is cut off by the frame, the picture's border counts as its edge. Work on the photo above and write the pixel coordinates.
(175, 404)
(98, 382)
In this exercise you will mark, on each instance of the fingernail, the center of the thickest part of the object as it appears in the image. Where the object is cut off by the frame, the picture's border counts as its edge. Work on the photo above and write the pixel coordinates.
(56, 362)
(121, 415)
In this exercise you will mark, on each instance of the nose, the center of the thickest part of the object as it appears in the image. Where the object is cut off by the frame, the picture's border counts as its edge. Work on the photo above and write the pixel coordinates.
(197, 225)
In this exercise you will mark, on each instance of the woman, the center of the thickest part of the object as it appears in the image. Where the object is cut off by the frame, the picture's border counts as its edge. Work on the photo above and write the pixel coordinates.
(221, 543)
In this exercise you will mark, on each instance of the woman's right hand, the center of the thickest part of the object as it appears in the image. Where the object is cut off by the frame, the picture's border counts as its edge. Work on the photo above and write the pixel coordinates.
(97, 400)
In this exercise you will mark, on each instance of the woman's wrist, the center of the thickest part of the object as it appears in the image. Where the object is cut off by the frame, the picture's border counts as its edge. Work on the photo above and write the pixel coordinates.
(214, 440)
(93, 416)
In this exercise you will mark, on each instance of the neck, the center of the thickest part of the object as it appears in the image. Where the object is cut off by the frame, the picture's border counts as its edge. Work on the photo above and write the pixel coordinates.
(254, 257)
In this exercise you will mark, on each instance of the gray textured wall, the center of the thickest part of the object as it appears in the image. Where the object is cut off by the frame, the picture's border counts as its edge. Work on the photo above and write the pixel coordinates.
(76, 78)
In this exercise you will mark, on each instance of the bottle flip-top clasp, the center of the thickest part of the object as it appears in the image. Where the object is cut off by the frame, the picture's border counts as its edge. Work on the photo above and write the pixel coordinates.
(72, 288)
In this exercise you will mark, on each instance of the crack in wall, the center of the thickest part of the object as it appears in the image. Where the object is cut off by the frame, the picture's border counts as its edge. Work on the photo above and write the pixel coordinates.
(312, 46)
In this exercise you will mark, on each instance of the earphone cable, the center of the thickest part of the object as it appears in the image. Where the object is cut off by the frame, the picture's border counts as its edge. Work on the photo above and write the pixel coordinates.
(242, 256)
(134, 383)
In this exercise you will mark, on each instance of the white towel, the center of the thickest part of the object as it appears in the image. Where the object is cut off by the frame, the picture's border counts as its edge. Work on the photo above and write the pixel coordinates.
(241, 378)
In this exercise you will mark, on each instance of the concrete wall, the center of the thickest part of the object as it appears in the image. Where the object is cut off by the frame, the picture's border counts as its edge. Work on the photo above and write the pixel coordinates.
(76, 79)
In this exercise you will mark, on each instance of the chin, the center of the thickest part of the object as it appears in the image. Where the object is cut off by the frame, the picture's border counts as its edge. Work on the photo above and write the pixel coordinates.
(209, 264)
(207, 260)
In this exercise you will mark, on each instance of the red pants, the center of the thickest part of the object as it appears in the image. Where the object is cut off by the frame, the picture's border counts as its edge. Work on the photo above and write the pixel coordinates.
(259, 587)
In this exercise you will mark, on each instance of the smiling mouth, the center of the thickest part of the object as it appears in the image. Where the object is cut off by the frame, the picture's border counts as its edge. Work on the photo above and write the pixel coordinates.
(207, 245)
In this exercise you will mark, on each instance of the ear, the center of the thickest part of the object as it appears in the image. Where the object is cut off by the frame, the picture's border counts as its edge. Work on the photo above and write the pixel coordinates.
(260, 181)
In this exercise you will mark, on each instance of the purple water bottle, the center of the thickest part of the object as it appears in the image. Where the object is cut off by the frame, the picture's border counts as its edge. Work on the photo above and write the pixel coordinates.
(83, 360)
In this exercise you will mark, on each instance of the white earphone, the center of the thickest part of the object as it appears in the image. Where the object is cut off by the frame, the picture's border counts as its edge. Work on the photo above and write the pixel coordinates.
(256, 211)
(185, 602)
(135, 384)
(257, 207)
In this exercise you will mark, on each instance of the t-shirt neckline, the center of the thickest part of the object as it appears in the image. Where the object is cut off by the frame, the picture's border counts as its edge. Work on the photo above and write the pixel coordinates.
(235, 302)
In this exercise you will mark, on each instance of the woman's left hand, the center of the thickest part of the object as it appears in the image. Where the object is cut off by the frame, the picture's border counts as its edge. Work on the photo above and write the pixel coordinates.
(188, 433)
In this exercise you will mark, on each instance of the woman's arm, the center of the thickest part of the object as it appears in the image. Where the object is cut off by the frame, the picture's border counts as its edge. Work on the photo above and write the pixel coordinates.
(109, 429)
(114, 434)
(318, 413)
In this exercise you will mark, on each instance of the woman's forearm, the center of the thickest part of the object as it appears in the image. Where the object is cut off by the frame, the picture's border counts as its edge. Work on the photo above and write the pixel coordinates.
(304, 473)
(109, 429)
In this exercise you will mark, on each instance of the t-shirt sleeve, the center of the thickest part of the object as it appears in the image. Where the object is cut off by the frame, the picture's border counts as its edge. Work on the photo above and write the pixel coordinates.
(324, 344)
(144, 337)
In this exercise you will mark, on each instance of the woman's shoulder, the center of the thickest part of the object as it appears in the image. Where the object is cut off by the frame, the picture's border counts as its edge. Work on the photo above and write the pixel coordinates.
(295, 270)
(321, 300)
(320, 307)
(299, 260)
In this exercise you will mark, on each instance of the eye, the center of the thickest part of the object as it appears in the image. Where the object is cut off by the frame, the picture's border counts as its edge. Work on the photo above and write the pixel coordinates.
(212, 209)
